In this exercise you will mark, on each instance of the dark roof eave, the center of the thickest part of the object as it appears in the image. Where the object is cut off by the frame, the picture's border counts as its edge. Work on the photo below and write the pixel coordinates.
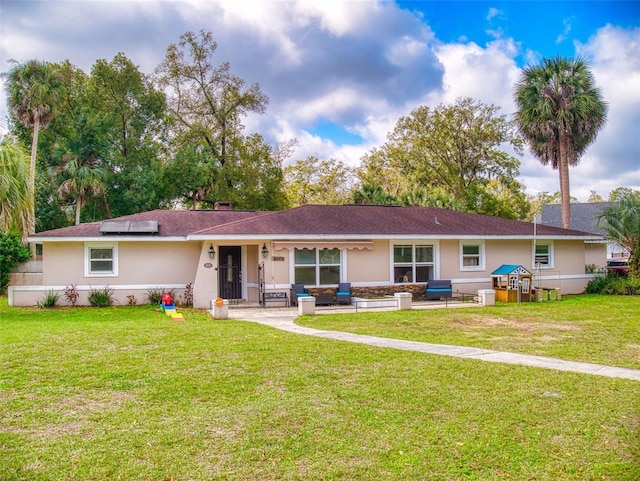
(356, 236)
(285, 236)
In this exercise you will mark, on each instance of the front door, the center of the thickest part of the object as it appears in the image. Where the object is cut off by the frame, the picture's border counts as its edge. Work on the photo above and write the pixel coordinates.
(230, 275)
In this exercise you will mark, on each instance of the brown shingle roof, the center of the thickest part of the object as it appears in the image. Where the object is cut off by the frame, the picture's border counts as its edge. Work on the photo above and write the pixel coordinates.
(171, 223)
(323, 220)
(369, 220)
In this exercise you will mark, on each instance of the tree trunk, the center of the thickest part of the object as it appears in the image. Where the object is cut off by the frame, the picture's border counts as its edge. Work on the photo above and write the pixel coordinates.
(634, 263)
(565, 191)
(107, 210)
(32, 170)
(78, 208)
(32, 181)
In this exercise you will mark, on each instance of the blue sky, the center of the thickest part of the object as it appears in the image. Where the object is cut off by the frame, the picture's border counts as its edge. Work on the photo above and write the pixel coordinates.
(547, 27)
(339, 74)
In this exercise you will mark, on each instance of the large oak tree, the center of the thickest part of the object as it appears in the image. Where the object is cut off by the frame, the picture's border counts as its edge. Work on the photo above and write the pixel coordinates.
(460, 152)
(315, 181)
(206, 99)
(130, 112)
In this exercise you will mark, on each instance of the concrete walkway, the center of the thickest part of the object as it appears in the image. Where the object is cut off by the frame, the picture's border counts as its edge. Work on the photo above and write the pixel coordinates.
(284, 319)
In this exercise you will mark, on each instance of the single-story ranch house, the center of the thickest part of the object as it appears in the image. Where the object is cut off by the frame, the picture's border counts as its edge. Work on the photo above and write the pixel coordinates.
(237, 255)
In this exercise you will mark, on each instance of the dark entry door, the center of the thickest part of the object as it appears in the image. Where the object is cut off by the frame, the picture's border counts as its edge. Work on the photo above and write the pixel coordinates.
(229, 273)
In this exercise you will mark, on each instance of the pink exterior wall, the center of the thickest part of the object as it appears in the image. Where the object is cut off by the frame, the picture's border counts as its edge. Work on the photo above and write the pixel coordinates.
(369, 266)
(567, 272)
(276, 269)
(173, 264)
(595, 254)
(141, 266)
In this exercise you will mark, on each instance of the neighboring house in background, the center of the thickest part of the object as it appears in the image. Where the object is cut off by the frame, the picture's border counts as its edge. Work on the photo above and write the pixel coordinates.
(237, 254)
(584, 217)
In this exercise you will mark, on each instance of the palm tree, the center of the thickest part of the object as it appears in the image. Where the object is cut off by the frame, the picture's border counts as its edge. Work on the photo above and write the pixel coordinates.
(560, 112)
(16, 196)
(81, 173)
(82, 179)
(373, 194)
(32, 94)
(621, 222)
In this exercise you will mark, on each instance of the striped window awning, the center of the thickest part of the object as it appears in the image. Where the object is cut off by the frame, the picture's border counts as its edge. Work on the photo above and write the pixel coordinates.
(360, 245)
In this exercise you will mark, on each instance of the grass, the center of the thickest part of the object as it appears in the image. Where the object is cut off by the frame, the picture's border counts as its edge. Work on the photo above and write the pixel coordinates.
(125, 393)
(589, 328)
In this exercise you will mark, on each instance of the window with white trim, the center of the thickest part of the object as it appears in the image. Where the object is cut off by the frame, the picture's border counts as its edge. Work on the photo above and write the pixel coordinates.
(543, 256)
(413, 263)
(472, 256)
(101, 260)
(317, 267)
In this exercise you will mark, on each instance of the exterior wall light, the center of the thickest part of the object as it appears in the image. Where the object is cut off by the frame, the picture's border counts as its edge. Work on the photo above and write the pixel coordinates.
(212, 252)
(265, 251)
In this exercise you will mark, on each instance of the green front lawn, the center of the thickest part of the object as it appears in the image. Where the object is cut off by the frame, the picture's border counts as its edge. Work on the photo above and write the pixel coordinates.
(128, 394)
(589, 328)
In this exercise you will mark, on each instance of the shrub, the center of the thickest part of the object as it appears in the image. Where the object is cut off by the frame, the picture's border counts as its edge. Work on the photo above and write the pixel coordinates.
(12, 252)
(71, 294)
(101, 297)
(154, 295)
(614, 286)
(188, 295)
(624, 287)
(132, 300)
(596, 286)
(49, 300)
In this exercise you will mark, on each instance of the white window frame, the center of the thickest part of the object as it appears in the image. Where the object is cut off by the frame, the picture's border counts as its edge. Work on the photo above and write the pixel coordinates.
(414, 263)
(317, 265)
(550, 264)
(481, 255)
(87, 259)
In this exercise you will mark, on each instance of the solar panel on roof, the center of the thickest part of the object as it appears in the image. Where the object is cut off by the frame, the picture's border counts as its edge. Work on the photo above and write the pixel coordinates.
(129, 227)
(144, 226)
(114, 226)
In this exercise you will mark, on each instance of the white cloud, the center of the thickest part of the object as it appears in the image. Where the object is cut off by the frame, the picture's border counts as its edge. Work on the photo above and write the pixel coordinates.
(486, 74)
(405, 50)
(339, 17)
(568, 24)
(614, 158)
(494, 12)
(489, 74)
(360, 64)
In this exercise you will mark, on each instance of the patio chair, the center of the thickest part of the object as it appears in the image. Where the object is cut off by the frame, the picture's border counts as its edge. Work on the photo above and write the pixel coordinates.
(298, 291)
(343, 294)
(437, 289)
